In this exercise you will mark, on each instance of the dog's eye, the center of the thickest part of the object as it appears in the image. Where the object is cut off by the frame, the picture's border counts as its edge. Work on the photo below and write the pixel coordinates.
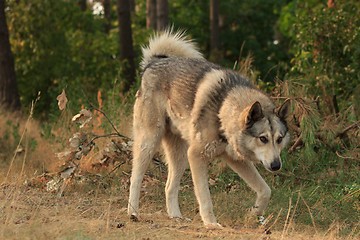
(263, 139)
(279, 140)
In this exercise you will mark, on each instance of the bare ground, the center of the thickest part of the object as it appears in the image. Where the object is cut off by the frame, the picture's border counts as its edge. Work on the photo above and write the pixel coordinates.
(27, 213)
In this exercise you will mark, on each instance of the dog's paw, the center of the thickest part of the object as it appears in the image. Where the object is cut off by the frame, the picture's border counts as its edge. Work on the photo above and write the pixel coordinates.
(213, 226)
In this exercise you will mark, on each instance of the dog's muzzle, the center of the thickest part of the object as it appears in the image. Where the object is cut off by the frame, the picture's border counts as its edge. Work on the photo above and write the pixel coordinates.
(275, 165)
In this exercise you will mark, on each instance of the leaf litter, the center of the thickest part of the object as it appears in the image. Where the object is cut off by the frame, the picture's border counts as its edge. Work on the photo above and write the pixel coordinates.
(114, 154)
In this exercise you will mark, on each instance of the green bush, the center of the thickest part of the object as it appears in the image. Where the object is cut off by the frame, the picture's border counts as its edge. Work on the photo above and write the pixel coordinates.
(325, 47)
(57, 46)
(248, 26)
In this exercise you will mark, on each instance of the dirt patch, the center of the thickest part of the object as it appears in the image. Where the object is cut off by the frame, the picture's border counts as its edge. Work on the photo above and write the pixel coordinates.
(27, 213)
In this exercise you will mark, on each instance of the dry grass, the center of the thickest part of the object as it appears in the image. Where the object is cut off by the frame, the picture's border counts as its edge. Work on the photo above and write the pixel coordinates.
(97, 209)
(27, 213)
(22, 147)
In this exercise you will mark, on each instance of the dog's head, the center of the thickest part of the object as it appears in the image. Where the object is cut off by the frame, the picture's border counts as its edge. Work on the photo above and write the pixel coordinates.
(264, 134)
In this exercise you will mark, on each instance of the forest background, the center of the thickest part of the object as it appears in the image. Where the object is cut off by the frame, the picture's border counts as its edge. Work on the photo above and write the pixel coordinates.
(308, 51)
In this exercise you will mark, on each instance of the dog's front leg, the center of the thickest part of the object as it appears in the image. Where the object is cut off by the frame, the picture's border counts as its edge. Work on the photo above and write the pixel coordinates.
(198, 167)
(251, 176)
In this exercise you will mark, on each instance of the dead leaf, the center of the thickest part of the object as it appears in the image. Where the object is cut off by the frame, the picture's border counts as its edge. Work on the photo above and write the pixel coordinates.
(77, 140)
(83, 117)
(84, 150)
(68, 172)
(53, 185)
(62, 100)
(62, 155)
(212, 182)
(19, 150)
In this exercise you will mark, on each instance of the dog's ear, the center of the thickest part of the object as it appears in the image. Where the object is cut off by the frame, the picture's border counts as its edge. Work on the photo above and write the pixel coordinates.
(284, 109)
(254, 114)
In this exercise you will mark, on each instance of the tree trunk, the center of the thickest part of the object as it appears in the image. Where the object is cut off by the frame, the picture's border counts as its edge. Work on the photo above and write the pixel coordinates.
(214, 30)
(162, 11)
(107, 15)
(132, 5)
(151, 14)
(126, 43)
(9, 95)
(82, 5)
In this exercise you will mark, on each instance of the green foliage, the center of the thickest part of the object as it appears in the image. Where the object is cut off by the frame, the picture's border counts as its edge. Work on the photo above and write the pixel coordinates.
(246, 22)
(15, 131)
(253, 23)
(58, 46)
(11, 134)
(192, 16)
(10, 138)
(325, 45)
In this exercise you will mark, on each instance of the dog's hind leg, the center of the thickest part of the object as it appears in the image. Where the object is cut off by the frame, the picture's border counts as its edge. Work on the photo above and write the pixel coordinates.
(149, 126)
(251, 176)
(176, 157)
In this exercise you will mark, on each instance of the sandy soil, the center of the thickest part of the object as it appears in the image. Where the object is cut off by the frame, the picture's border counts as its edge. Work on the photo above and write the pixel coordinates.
(28, 213)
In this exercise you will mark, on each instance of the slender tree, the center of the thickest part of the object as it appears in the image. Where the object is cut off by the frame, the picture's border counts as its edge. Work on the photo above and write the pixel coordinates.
(82, 4)
(107, 14)
(162, 12)
(9, 95)
(151, 14)
(126, 43)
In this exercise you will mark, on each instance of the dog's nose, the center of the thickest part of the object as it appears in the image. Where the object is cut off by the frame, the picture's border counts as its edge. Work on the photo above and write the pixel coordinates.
(275, 165)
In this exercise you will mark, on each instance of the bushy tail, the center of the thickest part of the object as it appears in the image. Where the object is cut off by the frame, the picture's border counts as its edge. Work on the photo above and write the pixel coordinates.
(169, 44)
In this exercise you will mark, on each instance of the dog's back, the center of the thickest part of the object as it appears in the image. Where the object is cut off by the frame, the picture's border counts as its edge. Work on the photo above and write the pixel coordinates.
(184, 83)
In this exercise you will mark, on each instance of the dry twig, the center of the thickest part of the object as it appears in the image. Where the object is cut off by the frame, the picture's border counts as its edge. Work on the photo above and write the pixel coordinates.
(355, 124)
(297, 143)
(345, 157)
(347, 196)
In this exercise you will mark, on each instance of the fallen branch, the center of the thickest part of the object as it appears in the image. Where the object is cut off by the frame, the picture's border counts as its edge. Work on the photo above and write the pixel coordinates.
(312, 218)
(107, 135)
(347, 196)
(317, 101)
(297, 143)
(103, 113)
(113, 170)
(355, 124)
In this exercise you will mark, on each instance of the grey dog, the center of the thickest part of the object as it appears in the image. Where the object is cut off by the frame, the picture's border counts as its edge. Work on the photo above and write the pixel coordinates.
(198, 111)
